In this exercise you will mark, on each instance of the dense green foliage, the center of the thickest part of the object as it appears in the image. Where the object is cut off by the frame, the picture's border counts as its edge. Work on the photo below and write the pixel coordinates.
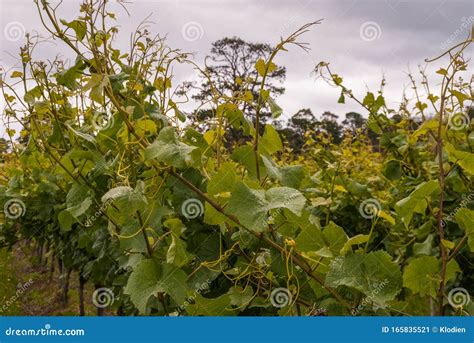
(111, 179)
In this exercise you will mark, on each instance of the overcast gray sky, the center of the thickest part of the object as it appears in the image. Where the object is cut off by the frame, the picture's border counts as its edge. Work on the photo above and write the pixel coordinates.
(362, 39)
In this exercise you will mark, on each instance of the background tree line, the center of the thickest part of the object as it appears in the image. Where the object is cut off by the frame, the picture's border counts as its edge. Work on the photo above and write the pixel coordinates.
(230, 67)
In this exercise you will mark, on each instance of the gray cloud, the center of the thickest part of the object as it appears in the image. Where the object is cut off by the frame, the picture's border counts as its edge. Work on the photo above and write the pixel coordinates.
(406, 33)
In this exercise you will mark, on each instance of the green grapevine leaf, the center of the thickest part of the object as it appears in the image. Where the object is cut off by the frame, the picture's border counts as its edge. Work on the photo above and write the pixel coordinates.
(251, 206)
(65, 220)
(142, 283)
(393, 170)
(463, 158)
(240, 296)
(465, 219)
(356, 240)
(78, 26)
(270, 142)
(176, 254)
(310, 239)
(422, 276)
(149, 278)
(374, 274)
(220, 306)
(169, 150)
(416, 202)
(285, 197)
(274, 108)
(290, 176)
(335, 238)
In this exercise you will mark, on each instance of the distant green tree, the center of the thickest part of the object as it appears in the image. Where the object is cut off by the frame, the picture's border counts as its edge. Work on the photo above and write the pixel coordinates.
(303, 120)
(330, 126)
(230, 69)
(354, 121)
(294, 130)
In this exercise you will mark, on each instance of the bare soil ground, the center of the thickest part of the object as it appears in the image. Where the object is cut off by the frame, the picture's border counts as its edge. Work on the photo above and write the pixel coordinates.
(28, 288)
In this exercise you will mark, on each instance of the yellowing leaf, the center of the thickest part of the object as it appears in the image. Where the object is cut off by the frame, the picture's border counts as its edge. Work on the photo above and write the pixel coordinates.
(448, 244)
(162, 83)
(428, 125)
(145, 126)
(320, 201)
(260, 66)
(421, 106)
(386, 216)
(138, 87)
(433, 98)
(223, 195)
(151, 240)
(461, 97)
(248, 96)
(358, 239)
(16, 73)
(264, 68)
(210, 136)
(340, 188)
